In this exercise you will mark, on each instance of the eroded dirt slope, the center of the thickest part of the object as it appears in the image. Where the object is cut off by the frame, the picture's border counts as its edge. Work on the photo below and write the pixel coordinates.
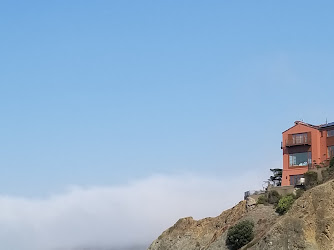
(210, 233)
(308, 225)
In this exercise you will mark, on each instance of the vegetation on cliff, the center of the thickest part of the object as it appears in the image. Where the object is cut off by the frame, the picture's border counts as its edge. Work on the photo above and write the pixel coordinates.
(240, 234)
(284, 204)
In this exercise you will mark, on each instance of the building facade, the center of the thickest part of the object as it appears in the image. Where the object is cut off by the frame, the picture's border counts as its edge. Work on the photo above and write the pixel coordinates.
(305, 146)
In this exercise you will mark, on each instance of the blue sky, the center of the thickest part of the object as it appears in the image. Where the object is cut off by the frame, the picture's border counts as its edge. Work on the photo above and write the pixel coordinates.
(142, 112)
(104, 92)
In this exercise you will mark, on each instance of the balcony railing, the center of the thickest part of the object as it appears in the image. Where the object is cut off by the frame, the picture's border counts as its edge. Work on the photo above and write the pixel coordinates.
(298, 141)
(307, 165)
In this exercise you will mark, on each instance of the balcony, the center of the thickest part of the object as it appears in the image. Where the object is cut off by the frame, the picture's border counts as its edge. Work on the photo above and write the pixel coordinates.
(298, 139)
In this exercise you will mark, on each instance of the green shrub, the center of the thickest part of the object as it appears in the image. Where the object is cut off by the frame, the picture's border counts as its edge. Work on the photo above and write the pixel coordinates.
(273, 197)
(311, 179)
(262, 200)
(240, 234)
(284, 204)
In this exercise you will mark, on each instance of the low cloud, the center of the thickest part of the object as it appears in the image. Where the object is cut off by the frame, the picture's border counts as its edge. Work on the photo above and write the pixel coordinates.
(133, 214)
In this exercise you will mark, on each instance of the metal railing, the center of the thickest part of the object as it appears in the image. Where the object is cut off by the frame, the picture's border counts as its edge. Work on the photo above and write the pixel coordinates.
(253, 192)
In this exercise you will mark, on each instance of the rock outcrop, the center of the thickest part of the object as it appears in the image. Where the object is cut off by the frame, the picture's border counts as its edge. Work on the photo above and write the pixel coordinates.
(210, 233)
(308, 225)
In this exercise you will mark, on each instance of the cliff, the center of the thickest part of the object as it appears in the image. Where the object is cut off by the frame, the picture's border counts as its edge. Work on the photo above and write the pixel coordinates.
(210, 233)
(188, 233)
(309, 225)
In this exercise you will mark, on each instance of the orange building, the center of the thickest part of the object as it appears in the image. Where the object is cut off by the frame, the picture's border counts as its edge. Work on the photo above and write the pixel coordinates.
(304, 146)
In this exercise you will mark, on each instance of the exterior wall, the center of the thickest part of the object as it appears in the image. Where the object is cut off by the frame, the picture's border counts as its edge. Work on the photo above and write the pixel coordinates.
(323, 146)
(318, 148)
(330, 140)
(315, 149)
(327, 141)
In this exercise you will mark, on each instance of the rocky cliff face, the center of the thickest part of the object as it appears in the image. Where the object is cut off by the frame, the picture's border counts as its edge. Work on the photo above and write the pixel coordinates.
(308, 225)
(210, 233)
(188, 233)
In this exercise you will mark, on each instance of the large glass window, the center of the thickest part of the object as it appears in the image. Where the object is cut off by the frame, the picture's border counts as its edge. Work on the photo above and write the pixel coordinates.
(330, 133)
(330, 151)
(299, 138)
(300, 159)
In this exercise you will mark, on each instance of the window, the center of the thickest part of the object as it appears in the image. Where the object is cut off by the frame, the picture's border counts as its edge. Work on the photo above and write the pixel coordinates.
(294, 179)
(330, 151)
(300, 159)
(330, 133)
(299, 138)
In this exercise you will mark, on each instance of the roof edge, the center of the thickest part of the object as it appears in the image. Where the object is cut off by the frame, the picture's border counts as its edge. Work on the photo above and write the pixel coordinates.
(304, 124)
